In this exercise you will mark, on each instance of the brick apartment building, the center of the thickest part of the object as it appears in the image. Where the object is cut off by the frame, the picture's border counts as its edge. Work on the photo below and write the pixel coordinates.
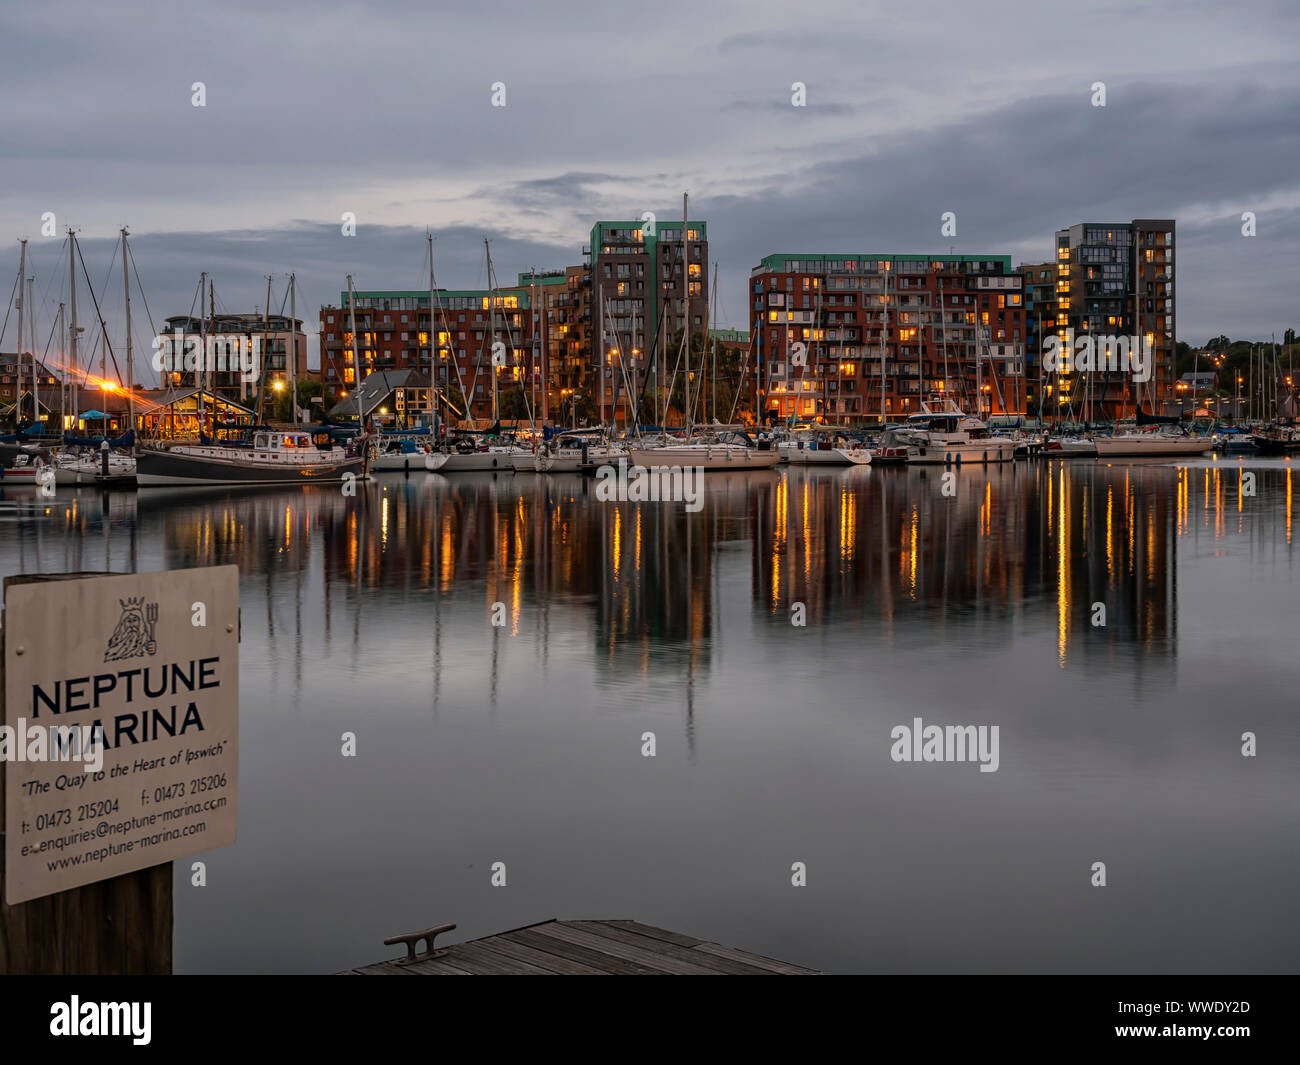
(393, 333)
(575, 339)
(935, 325)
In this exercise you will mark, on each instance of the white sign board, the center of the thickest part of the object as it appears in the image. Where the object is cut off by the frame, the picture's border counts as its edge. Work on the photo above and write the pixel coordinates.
(121, 724)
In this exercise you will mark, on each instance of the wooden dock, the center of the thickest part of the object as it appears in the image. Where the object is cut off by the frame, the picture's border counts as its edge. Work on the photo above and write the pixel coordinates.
(576, 948)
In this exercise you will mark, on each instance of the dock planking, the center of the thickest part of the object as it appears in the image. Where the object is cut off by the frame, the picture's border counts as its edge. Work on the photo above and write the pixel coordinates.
(586, 948)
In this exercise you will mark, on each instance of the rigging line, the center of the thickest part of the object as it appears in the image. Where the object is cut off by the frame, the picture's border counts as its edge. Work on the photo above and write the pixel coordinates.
(5, 327)
(672, 382)
(653, 363)
(451, 345)
(742, 377)
(48, 341)
(140, 288)
(45, 295)
(510, 337)
(108, 345)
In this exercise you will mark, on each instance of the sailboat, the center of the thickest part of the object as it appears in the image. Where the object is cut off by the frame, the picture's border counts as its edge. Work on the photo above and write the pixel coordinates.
(273, 458)
(1155, 437)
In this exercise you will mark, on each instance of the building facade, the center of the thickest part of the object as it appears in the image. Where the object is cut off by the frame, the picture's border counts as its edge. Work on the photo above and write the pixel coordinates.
(1040, 321)
(274, 334)
(393, 333)
(860, 338)
(16, 406)
(648, 282)
(1113, 280)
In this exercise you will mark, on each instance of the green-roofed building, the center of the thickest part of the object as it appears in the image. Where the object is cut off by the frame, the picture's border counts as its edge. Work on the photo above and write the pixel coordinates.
(638, 285)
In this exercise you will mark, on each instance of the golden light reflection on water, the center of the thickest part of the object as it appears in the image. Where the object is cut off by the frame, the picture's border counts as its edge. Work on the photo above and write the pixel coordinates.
(1062, 573)
(884, 548)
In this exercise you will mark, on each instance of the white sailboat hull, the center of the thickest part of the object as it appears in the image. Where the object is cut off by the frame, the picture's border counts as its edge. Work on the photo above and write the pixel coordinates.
(475, 461)
(1150, 445)
(396, 462)
(832, 456)
(72, 472)
(560, 462)
(707, 457)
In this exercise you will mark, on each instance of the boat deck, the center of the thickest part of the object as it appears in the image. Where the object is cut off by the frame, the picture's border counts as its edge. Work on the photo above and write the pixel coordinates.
(577, 948)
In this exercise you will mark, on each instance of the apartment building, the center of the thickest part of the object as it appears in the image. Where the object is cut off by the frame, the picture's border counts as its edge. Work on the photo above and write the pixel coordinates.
(648, 282)
(275, 335)
(1040, 322)
(393, 331)
(1117, 279)
(851, 338)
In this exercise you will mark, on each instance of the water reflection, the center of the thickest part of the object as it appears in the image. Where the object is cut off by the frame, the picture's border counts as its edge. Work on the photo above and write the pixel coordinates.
(884, 549)
(970, 598)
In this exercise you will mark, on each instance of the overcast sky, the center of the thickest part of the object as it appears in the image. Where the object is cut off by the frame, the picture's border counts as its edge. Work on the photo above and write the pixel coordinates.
(385, 110)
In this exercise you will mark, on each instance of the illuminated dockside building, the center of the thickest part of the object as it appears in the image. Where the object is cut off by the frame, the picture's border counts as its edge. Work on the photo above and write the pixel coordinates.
(846, 339)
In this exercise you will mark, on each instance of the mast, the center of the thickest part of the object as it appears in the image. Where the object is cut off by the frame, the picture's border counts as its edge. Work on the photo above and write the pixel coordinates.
(292, 354)
(1137, 310)
(543, 329)
(210, 368)
(31, 330)
(22, 308)
(130, 363)
(202, 359)
(433, 332)
(884, 330)
(492, 320)
(63, 387)
(532, 362)
(356, 363)
(266, 336)
(686, 314)
(714, 389)
(943, 334)
(72, 335)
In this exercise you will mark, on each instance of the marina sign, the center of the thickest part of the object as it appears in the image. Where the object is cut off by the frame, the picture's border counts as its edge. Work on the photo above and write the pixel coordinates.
(121, 724)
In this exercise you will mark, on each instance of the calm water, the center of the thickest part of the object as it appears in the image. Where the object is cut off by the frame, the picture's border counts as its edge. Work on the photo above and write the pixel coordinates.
(522, 743)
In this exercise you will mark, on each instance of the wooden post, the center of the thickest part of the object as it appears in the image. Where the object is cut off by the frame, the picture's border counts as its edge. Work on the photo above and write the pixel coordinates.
(116, 927)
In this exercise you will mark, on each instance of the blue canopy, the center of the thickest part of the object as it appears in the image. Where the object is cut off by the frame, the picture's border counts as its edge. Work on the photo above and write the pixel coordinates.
(93, 414)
